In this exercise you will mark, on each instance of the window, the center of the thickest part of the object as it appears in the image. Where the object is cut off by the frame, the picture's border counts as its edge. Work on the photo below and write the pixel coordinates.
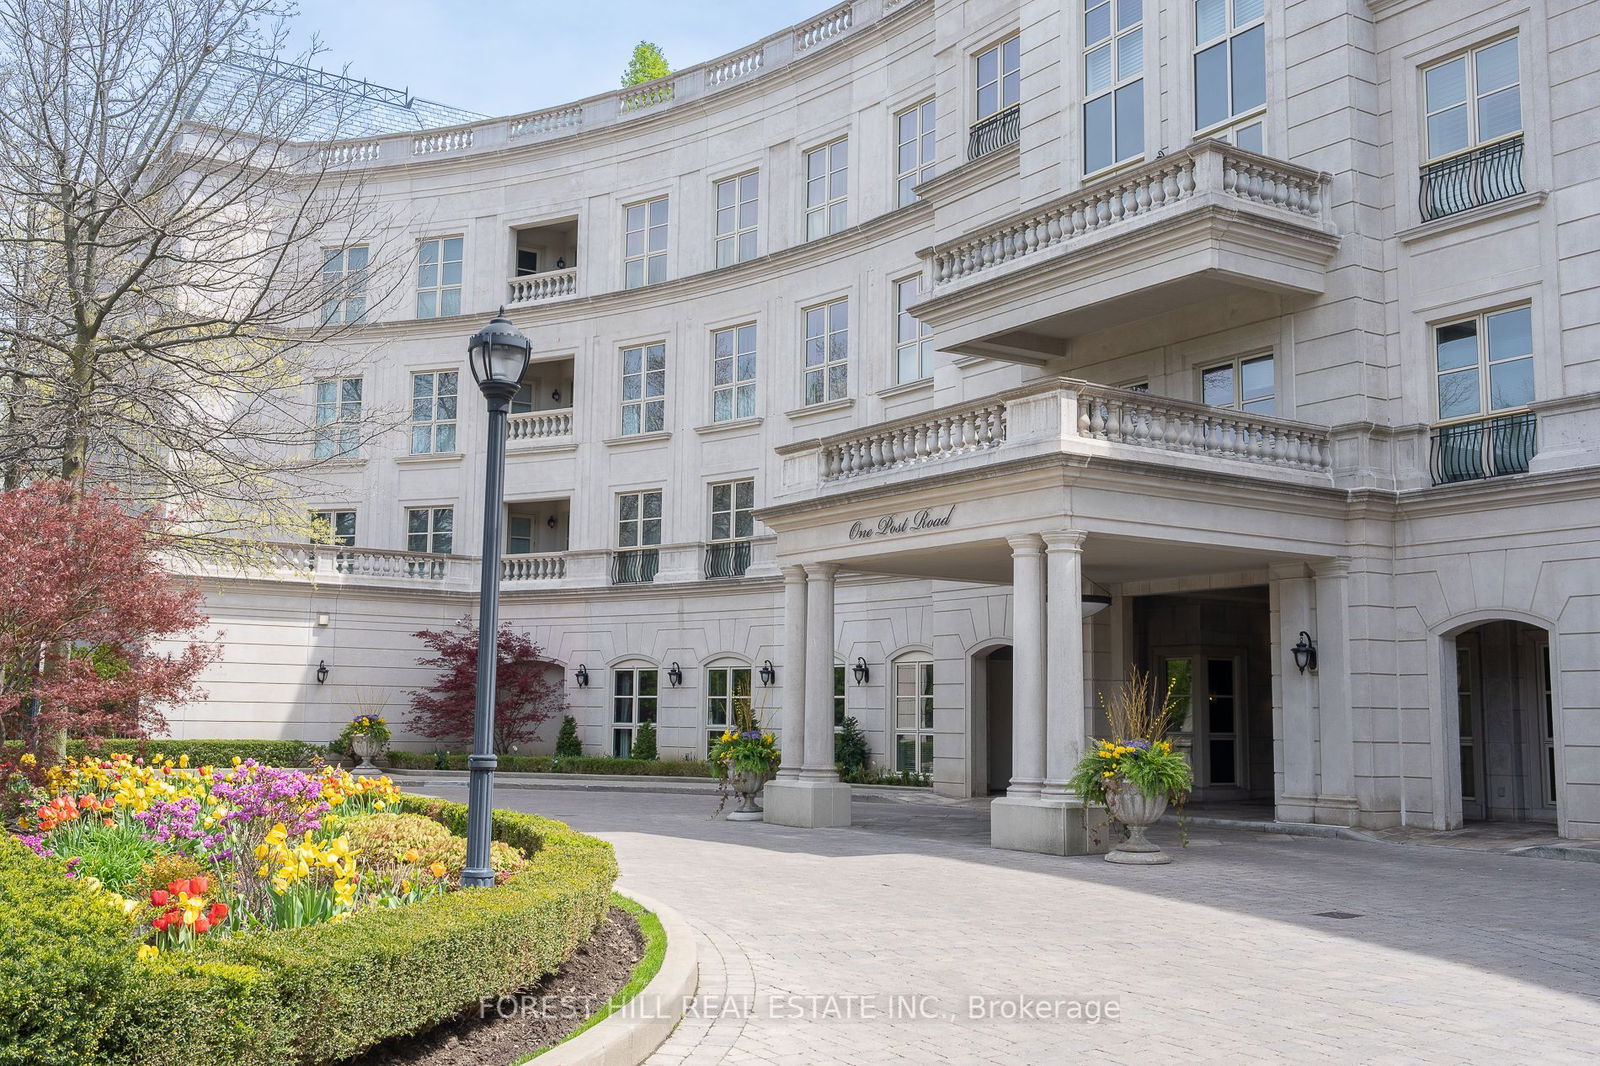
(334, 527)
(1244, 385)
(738, 206)
(1230, 70)
(439, 277)
(639, 518)
(838, 698)
(634, 694)
(1472, 99)
(645, 253)
(913, 716)
(827, 188)
(732, 526)
(914, 147)
(519, 534)
(999, 77)
(431, 529)
(827, 370)
(344, 282)
(644, 389)
(1548, 726)
(1485, 364)
(1113, 91)
(733, 373)
(338, 418)
(433, 412)
(727, 700)
(913, 340)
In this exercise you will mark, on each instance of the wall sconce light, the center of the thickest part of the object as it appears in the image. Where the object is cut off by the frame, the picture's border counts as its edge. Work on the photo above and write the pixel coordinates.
(561, 262)
(582, 676)
(555, 394)
(675, 675)
(322, 671)
(1305, 653)
(324, 618)
(551, 521)
(1094, 604)
(860, 670)
(768, 674)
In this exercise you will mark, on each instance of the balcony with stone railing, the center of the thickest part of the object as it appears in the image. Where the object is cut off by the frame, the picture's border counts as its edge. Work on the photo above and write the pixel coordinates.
(1187, 227)
(541, 288)
(532, 429)
(1062, 416)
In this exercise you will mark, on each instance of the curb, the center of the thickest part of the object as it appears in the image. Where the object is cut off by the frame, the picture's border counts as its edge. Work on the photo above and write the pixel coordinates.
(1571, 853)
(1294, 829)
(629, 1036)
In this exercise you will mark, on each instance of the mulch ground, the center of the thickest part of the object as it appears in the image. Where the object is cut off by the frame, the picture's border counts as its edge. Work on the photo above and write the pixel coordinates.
(533, 1017)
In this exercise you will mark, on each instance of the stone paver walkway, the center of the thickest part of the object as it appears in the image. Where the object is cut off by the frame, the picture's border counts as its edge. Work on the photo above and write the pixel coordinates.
(868, 945)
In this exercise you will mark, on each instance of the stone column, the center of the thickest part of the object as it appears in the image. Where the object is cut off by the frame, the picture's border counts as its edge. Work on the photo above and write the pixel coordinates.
(1064, 688)
(1295, 718)
(1335, 715)
(791, 724)
(818, 764)
(1028, 666)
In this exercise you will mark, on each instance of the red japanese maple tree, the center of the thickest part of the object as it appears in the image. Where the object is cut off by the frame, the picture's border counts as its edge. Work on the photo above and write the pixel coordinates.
(525, 694)
(84, 599)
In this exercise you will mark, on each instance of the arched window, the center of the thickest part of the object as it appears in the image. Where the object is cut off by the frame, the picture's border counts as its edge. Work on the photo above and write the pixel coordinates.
(913, 714)
(727, 699)
(635, 691)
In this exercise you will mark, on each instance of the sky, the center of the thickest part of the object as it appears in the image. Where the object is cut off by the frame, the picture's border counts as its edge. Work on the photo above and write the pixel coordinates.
(502, 58)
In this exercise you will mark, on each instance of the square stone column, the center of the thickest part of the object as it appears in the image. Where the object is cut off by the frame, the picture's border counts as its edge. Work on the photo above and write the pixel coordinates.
(815, 798)
(791, 722)
(1336, 800)
(1294, 719)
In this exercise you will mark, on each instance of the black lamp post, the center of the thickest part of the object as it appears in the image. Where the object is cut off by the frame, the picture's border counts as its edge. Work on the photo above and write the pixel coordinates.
(498, 355)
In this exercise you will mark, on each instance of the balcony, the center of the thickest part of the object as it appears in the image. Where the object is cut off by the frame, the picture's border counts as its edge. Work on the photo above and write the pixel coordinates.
(998, 131)
(1471, 179)
(1063, 416)
(725, 559)
(1192, 226)
(545, 263)
(637, 566)
(533, 568)
(1484, 448)
(541, 411)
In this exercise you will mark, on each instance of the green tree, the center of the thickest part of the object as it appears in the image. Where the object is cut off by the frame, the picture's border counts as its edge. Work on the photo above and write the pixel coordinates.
(647, 64)
(568, 746)
(644, 744)
(850, 748)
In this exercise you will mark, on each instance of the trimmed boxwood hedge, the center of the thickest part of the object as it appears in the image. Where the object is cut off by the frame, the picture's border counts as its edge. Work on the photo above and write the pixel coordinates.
(307, 995)
(550, 764)
(207, 752)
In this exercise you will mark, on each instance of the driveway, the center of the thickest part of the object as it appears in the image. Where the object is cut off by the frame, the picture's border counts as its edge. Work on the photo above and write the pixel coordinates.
(906, 939)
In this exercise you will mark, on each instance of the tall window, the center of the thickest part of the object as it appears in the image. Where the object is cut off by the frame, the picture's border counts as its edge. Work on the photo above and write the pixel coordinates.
(519, 534)
(644, 389)
(344, 283)
(431, 529)
(634, 695)
(1485, 364)
(1473, 99)
(913, 716)
(733, 373)
(1113, 91)
(827, 371)
(727, 699)
(645, 254)
(827, 188)
(439, 277)
(639, 519)
(913, 340)
(738, 208)
(838, 698)
(732, 504)
(338, 417)
(1230, 70)
(999, 77)
(914, 147)
(433, 412)
(1243, 384)
(334, 527)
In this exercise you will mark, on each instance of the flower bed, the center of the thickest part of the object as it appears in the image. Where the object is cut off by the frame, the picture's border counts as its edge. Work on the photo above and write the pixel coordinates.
(554, 764)
(250, 914)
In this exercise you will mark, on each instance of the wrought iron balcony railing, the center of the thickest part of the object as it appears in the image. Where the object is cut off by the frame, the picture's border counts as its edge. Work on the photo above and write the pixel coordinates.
(729, 558)
(994, 132)
(1489, 447)
(1472, 179)
(637, 566)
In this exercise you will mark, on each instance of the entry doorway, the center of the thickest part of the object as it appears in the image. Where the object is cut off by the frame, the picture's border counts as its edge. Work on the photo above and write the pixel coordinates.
(991, 721)
(1505, 717)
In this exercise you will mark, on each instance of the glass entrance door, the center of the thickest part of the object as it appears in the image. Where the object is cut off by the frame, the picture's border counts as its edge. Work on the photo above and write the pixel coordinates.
(1469, 714)
(1210, 690)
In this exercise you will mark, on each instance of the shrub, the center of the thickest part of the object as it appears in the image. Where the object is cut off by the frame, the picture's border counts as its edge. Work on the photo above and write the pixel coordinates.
(383, 837)
(568, 746)
(547, 764)
(66, 960)
(208, 752)
(850, 748)
(644, 743)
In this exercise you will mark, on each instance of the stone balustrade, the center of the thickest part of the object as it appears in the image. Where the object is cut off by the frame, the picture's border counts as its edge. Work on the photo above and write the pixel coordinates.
(825, 28)
(539, 425)
(1211, 170)
(908, 442)
(646, 96)
(546, 566)
(1146, 421)
(721, 72)
(348, 153)
(562, 118)
(441, 141)
(545, 285)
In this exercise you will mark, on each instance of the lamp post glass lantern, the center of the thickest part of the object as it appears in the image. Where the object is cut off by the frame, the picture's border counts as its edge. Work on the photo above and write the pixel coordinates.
(498, 356)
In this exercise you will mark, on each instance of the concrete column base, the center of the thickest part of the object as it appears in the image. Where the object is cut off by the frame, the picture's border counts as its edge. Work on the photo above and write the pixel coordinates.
(807, 804)
(1049, 827)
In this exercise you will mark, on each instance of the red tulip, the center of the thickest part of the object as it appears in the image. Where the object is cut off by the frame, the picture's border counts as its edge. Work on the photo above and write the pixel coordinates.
(160, 924)
(173, 916)
(108, 822)
(198, 886)
(159, 898)
(202, 924)
(219, 911)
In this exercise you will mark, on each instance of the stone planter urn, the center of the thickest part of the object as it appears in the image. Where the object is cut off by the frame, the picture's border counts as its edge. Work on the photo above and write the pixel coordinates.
(1138, 811)
(363, 749)
(746, 783)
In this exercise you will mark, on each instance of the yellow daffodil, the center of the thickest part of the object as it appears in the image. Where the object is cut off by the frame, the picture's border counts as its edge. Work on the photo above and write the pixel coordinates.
(148, 952)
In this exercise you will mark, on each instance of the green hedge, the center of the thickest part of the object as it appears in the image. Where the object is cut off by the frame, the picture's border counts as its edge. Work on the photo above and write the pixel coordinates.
(207, 752)
(550, 764)
(71, 990)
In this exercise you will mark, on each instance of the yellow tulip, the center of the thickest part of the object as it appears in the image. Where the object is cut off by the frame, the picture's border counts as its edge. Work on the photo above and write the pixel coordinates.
(148, 952)
(437, 869)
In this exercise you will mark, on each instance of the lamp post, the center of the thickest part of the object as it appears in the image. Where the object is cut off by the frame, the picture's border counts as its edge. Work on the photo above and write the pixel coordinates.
(498, 355)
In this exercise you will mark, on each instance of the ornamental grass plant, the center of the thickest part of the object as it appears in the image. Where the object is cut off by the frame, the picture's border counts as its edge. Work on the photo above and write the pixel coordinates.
(1137, 754)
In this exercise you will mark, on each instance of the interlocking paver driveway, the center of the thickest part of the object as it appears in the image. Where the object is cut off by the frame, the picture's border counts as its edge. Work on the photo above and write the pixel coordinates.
(1457, 956)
